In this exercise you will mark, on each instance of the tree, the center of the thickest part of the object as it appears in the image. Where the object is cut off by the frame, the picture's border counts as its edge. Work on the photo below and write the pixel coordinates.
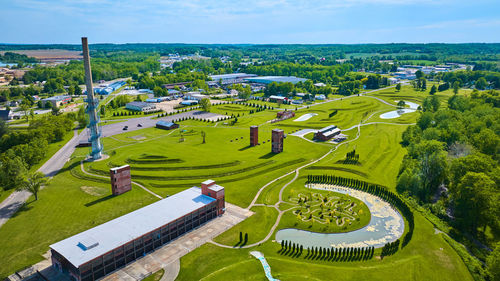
(398, 87)
(33, 183)
(205, 104)
(401, 104)
(493, 262)
(12, 170)
(481, 83)
(433, 90)
(456, 87)
(4, 128)
(419, 74)
(56, 111)
(25, 108)
(203, 135)
(473, 200)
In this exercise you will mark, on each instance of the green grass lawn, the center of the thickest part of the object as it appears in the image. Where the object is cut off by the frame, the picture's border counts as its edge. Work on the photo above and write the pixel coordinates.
(167, 162)
(155, 276)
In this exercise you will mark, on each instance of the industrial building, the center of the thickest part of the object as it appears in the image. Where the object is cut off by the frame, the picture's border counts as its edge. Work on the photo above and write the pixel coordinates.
(166, 125)
(57, 101)
(94, 253)
(327, 133)
(277, 79)
(277, 140)
(110, 88)
(229, 79)
(121, 180)
(140, 106)
(282, 115)
(254, 135)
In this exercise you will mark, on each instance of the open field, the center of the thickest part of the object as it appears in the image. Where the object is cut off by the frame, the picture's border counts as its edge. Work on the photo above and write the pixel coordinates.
(167, 162)
(48, 54)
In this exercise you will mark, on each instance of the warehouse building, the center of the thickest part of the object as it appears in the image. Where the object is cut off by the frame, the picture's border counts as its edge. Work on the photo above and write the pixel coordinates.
(166, 125)
(277, 79)
(229, 79)
(94, 253)
(57, 101)
(327, 133)
(140, 106)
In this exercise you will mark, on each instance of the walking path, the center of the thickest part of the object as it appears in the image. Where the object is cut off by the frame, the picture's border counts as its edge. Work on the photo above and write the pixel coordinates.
(12, 203)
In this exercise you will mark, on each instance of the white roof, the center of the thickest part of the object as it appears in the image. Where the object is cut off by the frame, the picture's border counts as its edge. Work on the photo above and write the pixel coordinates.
(216, 187)
(126, 228)
(277, 97)
(327, 128)
(208, 182)
(329, 133)
(118, 168)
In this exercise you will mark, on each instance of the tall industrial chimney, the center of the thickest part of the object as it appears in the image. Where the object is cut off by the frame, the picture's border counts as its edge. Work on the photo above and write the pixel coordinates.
(92, 104)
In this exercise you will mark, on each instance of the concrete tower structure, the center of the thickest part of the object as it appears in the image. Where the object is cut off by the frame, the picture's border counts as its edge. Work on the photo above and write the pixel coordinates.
(92, 104)
(254, 135)
(277, 140)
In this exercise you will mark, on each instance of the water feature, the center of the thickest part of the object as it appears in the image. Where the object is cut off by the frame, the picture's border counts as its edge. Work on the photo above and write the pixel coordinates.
(265, 265)
(305, 117)
(386, 225)
(401, 111)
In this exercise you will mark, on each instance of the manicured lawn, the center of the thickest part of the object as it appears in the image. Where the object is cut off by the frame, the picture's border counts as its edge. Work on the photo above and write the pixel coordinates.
(64, 208)
(167, 162)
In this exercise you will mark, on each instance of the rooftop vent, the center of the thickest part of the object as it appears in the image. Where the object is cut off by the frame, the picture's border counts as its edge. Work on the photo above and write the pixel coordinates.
(88, 243)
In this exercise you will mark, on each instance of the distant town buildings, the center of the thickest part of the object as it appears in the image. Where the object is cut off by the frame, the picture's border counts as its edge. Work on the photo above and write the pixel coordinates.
(57, 101)
(282, 115)
(140, 106)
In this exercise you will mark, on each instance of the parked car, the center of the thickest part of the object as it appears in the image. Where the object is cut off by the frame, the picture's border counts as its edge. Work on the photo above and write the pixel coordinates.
(139, 125)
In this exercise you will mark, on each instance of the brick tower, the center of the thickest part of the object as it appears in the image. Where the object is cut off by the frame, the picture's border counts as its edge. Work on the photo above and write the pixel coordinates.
(121, 180)
(277, 140)
(254, 135)
(210, 189)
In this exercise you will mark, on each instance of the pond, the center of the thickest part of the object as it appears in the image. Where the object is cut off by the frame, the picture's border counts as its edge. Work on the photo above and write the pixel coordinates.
(386, 225)
(399, 112)
(305, 117)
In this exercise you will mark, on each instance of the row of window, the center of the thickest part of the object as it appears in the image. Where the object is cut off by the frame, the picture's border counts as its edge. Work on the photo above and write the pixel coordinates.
(129, 252)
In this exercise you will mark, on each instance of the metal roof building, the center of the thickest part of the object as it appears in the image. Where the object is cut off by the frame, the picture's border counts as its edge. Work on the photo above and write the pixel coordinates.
(98, 251)
(277, 79)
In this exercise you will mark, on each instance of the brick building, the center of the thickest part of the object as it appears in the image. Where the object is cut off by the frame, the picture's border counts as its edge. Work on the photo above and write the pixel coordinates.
(277, 140)
(94, 253)
(254, 135)
(121, 180)
(327, 133)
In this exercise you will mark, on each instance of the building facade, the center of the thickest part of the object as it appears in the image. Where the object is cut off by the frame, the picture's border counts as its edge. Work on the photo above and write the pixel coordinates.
(121, 180)
(327, 133)
(254, 135)
(92, 254)
(165, 125)
(277, 140)
(140, 106)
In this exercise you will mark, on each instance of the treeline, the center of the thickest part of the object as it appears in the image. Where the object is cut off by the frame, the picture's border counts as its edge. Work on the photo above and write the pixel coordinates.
(10, 57)
(289, 248)
(21, 149)
(374, 189)
(452, 162)
(479, 79)
(102, 69)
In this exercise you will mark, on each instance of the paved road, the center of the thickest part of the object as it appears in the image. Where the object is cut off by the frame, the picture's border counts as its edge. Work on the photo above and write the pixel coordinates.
(12, 203)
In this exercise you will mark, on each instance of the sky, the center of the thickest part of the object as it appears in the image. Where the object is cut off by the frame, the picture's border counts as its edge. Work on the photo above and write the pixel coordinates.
(257, 22)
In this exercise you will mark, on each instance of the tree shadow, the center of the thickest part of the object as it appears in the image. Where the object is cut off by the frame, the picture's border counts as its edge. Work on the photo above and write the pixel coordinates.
(102, 199)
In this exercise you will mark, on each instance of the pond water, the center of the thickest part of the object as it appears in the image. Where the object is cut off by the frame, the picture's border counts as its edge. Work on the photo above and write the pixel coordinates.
(386, 225)
(305, 117)
(2, 64)
(399, 112)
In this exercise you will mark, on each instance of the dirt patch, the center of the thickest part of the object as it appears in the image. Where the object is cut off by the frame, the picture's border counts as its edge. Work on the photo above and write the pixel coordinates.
(50, 54)
(94, 190)
(138, 137)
